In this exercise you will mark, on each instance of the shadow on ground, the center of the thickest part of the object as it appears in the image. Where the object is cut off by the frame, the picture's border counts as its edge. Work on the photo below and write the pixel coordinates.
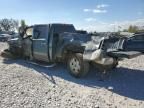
(125, 82)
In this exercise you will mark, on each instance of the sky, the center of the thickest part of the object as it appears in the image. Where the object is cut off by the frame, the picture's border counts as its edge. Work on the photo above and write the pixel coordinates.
(91, 15)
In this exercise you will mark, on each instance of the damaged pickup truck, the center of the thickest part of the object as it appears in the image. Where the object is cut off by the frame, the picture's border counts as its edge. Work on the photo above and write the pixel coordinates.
(61, 43)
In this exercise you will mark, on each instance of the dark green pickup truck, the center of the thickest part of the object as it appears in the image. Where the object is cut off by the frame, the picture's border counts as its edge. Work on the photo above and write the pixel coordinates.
(61, 43)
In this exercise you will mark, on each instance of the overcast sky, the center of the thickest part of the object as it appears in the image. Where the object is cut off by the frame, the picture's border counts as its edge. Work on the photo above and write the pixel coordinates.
(99, 15)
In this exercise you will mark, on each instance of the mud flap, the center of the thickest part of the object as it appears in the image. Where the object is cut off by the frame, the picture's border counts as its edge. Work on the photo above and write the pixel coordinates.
(124, 54)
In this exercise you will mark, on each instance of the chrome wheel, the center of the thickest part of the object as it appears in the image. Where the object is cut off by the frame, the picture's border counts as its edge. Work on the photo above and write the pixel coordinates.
(75, 65)
(78, 68)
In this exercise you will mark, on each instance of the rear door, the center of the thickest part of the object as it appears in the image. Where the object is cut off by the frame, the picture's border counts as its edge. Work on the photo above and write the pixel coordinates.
(40, 43)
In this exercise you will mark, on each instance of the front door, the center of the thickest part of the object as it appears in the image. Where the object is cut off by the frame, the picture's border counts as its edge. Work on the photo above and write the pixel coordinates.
(40, 43)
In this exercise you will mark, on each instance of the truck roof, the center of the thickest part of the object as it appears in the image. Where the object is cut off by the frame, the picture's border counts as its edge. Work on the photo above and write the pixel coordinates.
(54, 24)
(59, 27)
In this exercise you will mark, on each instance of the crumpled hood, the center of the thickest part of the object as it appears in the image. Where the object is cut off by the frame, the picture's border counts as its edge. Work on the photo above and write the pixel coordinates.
(77, 37)
(93, 44)
(92, 48)
(90, 43)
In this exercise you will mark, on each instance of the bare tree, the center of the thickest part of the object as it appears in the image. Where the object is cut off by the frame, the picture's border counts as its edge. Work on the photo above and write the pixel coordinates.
(9, 24)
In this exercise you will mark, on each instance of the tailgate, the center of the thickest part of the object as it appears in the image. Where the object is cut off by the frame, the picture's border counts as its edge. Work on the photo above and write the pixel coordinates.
(124, 54)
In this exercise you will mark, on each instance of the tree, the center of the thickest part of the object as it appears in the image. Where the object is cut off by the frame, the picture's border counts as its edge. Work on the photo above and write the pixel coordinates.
(8, 24)
(23, 24)
(132, 29)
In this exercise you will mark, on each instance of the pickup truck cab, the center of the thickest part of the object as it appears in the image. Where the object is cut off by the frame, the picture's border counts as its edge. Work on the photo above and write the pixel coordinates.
(52, 43)
(41, 41)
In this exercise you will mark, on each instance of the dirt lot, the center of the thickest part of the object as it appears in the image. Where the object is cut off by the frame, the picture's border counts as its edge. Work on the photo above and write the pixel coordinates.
(23, 84)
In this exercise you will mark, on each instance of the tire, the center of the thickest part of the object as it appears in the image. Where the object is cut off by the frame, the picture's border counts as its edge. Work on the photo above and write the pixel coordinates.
(77, 66)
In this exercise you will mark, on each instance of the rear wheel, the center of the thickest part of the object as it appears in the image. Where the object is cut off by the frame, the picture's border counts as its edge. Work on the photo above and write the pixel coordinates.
(77, 66)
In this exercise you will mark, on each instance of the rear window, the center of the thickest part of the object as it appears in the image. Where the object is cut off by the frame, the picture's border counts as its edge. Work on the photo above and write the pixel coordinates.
(64, 28)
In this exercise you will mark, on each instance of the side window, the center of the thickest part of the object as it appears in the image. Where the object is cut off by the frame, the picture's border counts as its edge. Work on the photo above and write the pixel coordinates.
(40, 32)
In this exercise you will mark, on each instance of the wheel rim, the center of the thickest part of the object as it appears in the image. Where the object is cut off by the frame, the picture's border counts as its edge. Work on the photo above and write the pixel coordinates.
(75, 65)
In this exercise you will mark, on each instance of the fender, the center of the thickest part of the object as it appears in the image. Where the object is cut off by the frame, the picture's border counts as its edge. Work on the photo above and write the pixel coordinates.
(68, 46)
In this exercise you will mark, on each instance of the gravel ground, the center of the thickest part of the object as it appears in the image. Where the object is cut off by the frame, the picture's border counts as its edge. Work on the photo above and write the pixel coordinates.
(23, 84)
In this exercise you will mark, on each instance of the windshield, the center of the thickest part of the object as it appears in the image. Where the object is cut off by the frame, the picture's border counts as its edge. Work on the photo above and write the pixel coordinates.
(61, 28)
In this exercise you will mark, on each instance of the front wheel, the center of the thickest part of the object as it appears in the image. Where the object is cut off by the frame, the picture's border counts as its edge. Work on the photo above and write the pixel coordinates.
(77, 66)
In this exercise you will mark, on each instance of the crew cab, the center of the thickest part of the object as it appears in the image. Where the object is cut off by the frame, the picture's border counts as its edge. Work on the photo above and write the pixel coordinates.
(61, 43)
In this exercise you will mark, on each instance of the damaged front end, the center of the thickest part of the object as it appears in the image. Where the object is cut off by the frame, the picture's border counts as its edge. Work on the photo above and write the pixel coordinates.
(105, 53)
(98, 56)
